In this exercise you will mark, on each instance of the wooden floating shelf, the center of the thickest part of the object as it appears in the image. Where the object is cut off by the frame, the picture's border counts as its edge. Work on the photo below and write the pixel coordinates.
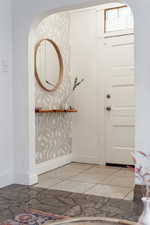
(54, 110)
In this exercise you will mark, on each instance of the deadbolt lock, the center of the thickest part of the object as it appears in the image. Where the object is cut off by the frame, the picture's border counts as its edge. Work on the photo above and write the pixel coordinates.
(108, 108)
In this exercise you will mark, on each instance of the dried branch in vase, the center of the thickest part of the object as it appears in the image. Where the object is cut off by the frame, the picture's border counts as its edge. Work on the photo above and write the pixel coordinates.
(77, 83)
(66, 102)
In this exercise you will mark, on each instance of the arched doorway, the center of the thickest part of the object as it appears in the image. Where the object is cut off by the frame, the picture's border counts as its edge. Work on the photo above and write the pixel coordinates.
(24, 127)
(46, 153)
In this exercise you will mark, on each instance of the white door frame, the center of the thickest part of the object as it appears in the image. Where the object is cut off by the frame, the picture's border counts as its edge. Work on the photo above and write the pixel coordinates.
(102, 121)
(120, 153)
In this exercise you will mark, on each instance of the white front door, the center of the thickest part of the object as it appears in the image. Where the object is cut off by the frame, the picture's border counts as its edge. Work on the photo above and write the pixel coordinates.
(119, 99)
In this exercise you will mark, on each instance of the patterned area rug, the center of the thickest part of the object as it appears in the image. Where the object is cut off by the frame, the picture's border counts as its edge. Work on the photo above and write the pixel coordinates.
(33, 217)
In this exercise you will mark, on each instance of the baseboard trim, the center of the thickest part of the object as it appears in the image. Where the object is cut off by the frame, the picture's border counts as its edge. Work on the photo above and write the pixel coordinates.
(91, 160)
(53, 164)
(6, 178)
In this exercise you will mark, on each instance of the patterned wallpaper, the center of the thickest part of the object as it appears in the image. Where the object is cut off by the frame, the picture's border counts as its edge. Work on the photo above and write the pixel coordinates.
(53, 130)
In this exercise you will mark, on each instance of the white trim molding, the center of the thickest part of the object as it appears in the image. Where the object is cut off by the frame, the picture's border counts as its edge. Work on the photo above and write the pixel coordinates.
(53, 164)
(91, 160)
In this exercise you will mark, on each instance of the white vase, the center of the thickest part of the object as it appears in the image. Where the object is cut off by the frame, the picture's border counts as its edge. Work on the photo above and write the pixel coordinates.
(67, 102)
(145, 217)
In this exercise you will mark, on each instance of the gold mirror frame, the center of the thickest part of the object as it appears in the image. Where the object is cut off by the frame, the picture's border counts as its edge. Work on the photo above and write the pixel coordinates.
(61, 66)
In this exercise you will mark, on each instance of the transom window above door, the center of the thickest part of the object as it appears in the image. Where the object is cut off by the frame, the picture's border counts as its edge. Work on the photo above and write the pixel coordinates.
(118, 19)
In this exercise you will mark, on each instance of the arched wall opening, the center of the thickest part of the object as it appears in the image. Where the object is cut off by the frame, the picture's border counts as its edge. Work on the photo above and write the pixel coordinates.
(32, 41)
(25, 17)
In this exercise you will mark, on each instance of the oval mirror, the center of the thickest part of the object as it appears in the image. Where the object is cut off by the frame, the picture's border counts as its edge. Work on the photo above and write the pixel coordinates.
(48, 65)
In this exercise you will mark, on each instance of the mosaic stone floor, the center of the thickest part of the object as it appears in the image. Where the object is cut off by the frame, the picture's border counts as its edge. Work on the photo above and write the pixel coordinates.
(15, 199)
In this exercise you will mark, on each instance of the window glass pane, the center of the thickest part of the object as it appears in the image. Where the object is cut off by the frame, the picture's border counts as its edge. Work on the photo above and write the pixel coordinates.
(118, 19)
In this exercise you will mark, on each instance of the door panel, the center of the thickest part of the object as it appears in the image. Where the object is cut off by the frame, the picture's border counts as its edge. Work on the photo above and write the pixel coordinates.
(123, 96)
(120, 121)
(125, 140)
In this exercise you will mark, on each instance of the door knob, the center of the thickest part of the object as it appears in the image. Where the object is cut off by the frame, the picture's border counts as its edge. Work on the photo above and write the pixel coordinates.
(108, 108)
(108, 96)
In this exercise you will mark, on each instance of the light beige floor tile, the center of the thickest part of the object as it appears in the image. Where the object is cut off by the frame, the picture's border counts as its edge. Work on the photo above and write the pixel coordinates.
(68, 170)
(102, 170)
(45, 177)
(129, 196)
(119, 181)
(78, 173)
(125, 173)
(63, 174)
(90, 178)
(79, 166)
(47, 183)
(82, 187)
(72, 186)
(109, 191)
(64, 186)
(74, 168)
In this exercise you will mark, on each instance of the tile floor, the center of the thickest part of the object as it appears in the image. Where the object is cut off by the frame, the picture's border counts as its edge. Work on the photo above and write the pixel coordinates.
(113, 182)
